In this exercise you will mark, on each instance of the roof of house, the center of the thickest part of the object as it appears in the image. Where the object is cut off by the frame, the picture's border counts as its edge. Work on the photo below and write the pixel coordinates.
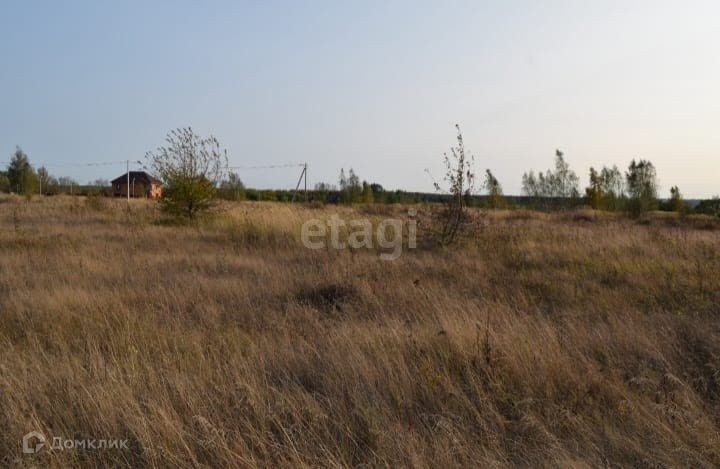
(138, 176)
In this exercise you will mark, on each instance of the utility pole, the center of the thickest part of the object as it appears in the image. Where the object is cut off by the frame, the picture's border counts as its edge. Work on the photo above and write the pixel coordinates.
(300, 179)
(127, 188)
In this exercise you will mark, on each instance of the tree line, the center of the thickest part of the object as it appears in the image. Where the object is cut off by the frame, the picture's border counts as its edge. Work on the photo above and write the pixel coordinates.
(192, 171)
(635, 191)
(21, 178)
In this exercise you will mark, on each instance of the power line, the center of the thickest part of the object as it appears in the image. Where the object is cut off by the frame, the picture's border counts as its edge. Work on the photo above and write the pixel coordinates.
(99, 163)
(71, 165)
(272, 166)
(112, 163)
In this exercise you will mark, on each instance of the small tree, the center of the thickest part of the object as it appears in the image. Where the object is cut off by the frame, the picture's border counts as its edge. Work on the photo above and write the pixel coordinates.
(190, 168)
(350, 187)
(29, 182)
(460, 180)
(564, 181)
(531, 187)
(43, 179)
(367, 196)
(677, 204)
(595, 191)
(641, 182)
(494, 190)
(20, 174)
(613, 187)
(606, 188)
(233, 187)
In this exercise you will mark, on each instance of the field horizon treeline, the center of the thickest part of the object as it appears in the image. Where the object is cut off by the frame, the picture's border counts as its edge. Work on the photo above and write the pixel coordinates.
(635, 190)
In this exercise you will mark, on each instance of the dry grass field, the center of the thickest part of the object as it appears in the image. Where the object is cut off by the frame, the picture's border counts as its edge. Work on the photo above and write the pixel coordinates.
(573, 339)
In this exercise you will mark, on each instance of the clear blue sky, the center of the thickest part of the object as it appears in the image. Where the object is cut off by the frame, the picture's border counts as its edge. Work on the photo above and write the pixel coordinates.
(376, 86)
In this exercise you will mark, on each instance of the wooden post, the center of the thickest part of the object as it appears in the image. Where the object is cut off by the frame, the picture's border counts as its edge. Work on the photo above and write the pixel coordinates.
(297, 186)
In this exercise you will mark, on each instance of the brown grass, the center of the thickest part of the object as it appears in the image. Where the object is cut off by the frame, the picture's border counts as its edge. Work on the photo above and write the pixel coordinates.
(575, 339)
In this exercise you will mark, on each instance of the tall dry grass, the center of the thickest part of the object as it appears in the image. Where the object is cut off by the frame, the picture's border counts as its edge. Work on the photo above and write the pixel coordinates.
(544, 340)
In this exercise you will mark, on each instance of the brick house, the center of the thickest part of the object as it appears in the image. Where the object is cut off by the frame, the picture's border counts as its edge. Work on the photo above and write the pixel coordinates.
(141, 185)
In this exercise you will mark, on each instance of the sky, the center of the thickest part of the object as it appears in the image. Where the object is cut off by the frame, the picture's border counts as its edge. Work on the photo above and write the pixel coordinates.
(376, 86)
